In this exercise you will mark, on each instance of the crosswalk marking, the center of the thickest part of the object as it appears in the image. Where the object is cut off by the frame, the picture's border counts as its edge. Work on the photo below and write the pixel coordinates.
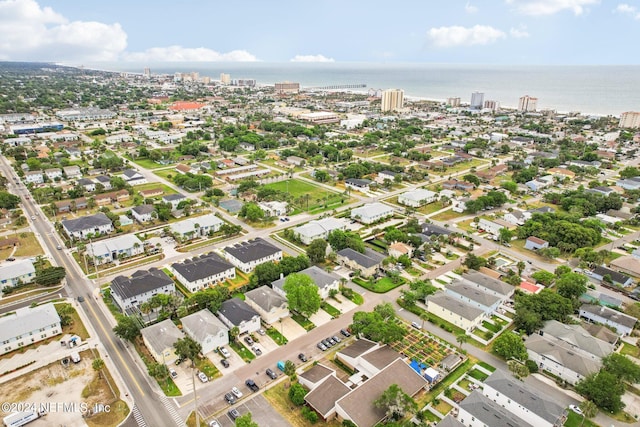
(172, 411)
(138, 416)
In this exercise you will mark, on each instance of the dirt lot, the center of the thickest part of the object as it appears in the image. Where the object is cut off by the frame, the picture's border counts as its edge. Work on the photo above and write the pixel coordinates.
(77, 387)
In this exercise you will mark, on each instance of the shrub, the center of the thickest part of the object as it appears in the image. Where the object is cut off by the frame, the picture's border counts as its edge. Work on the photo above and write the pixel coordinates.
(532, 366)
(296, 394)
(310, 415)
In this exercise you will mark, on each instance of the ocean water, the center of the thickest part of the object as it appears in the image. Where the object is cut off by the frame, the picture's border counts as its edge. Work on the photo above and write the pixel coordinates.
(601, 90)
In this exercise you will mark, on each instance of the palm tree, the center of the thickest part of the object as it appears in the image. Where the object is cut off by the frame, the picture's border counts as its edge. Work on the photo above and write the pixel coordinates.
(97, 365)
(145, 308)
(462, 339)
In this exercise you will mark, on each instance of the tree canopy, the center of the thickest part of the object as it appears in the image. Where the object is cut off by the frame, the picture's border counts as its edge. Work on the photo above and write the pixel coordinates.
(302, 294)
(378, 325)
(510, 346)
(396, 403)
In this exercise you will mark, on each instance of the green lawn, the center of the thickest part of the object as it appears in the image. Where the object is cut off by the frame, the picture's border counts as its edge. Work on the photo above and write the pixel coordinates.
(165, 173)
(487, 366)
(575, 420)
(153, 185)
(334, 312)
(478, 375)
(208, 368)
(490, 326)
(381, 286)
(309, 197)
(276, 336)
(630, 350)
(239, 348)
(354, 297)
(146, 163)
(303, 321)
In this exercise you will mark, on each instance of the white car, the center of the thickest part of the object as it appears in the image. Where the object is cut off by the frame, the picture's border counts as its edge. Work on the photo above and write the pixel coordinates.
(237, 393)
(224, 352)
(203, 377)
(575, 409)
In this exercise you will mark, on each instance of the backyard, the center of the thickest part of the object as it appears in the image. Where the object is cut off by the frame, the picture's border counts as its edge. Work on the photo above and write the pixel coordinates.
(379, 286)
(422, 348)
(309, 197)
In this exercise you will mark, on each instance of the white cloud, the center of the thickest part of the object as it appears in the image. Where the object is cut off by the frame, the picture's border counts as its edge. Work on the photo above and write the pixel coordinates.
(627, 10)
(31, 32)
(462, 36)
(469, 8)
(311, 58)
(550, 7)
(178, 54)
(519, 33)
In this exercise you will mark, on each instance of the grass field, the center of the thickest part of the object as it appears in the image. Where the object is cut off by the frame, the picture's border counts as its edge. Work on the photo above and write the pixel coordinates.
(146, 163)
(153, 185)
(318, 200)
(29, 245)
(380, 286)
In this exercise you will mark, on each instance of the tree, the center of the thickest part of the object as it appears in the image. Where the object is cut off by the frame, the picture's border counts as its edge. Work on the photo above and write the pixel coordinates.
(377, 326)
(233, 333)
(290, 369)
(505, 235)
(571, 285)
(589, 409)
(462, 339)
(246, 420)
(297, 394)
(64, 312)
(510, 346)
(396, 403)
(474, 262)
(187, 348)
(98, 365)
(544, 277)
(317, 250)
(127, 328)
(252, 212)
(604, 389)
(8, 200)
(622, 367)
(472, 179)
(50, 276)
(302, 294)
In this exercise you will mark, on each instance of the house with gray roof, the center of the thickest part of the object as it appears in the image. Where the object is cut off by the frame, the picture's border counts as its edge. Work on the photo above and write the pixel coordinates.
(314, 376)
(174, 200)
(430, 230)
(616, 278)
(623, 323)
(372, 212)
(351, 354)
(247, 255)
(129, 292)
(202, 271)
(114, 249)
(133, 177)
(455, 310)
(206, 329)
(28, 325)
(417, 198)
(369, 263)
(474, 296)
(323, 398)
(87, 184)
(270, 305)
(488, 284)
(560, 358)
(160, 338)
(85, 226)
(319, 229)
(143, 213)
(578, 338)
(324, 280)
(17, 273)
(523, 401)
(449, 421)
(236, 313)
(477, 410)
(194, 227)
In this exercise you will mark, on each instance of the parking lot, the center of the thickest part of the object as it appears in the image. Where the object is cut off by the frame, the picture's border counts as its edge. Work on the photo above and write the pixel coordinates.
(263, 414)
(235, 361)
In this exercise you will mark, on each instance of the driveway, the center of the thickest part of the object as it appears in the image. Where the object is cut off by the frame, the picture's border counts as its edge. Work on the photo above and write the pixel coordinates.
(266, 344)
(262, 413)
(291, 330)
(320, 318)
(344, 305)
(235, 361)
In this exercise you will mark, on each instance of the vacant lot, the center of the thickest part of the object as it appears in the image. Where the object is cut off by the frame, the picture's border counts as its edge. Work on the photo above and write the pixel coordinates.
(309, 197)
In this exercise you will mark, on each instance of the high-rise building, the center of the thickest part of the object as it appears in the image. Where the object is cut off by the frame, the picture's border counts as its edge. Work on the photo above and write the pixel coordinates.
(147, 72)
(225, 79)
(287, 87)
(453, 102)
(477, 100)
(392, 100)
(527, 103)
(491, 105)
(630, 119)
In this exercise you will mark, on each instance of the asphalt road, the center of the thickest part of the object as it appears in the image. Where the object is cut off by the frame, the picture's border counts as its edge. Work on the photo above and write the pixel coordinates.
(152, 411)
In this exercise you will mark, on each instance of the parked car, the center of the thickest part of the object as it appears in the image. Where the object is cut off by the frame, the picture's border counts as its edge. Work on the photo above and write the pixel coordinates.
(224, 352)
(203, 377)
(230, 398)
(233, 414)
(173, 373)
(336, 338)
(225, 363)
(178, 361)
(302, 357)
(252, 385)
(236, 392)
(248, 340)
(256, 350)
(11, 258)
(575, 409)
(415, 325)
(214, 423)
(327, 343)
(261, 331)
(271, 374)
(345, 332)
(321, 346)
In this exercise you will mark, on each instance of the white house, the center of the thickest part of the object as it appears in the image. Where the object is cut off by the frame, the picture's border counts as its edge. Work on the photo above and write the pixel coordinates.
(247, 255)
(200, 226)
(202, 271)
(386, 175)
(110, 250)
(318, 229)
(417, 198)
(493, 226)
(133, 177)
(53, 173)
(459, 205)
(17, 273)
(34, 177)
(455, 311)
(206, 329)
(623, 323)
(515, 217)
(72, 172)
(130, 292)
(143, 213)
(81, 228)
(323, 280)
(274, 208)
(236, 313)
(372, 212)
(270, 305)
(477, 410)
(28, 325)
(358, 184)
(174, 200)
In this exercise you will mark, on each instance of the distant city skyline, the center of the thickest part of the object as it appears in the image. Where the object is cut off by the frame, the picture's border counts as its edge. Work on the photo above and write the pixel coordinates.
(541, 32)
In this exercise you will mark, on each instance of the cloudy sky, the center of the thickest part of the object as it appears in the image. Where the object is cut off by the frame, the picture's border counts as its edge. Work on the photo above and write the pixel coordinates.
(454, 31)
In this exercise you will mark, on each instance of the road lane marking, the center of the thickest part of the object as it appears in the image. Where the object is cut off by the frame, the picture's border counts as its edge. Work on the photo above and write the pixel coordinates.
(126, 366)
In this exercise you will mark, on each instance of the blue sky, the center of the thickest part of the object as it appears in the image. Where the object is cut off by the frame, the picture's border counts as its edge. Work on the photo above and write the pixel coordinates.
(454, 31)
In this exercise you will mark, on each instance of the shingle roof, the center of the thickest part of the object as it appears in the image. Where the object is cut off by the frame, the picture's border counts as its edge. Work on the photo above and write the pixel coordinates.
(449, 421)
(266, 298)
(473, 293)
(27, 319)
(358, 348)
(202, 267)
(489, 412)
(455, 306)
(562, 354)
(316, 373)
(162, 335)
(203, 324)
(488, 282)
(381, 357)
(523, 395)
(252, 250)
(173, 197)
(367, 260)
(610, 314)
(86, 222)
(143, 209)
(615, 276)
(323, 398)
(319, 277)
(116, 244)
(577, 336)
(237, 311)
(140, 282)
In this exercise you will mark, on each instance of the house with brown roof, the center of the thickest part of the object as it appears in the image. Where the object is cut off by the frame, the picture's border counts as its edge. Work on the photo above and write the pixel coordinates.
(153, 192)
(534, 243)
(182, 168)
(398, 249)
(323, 398)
